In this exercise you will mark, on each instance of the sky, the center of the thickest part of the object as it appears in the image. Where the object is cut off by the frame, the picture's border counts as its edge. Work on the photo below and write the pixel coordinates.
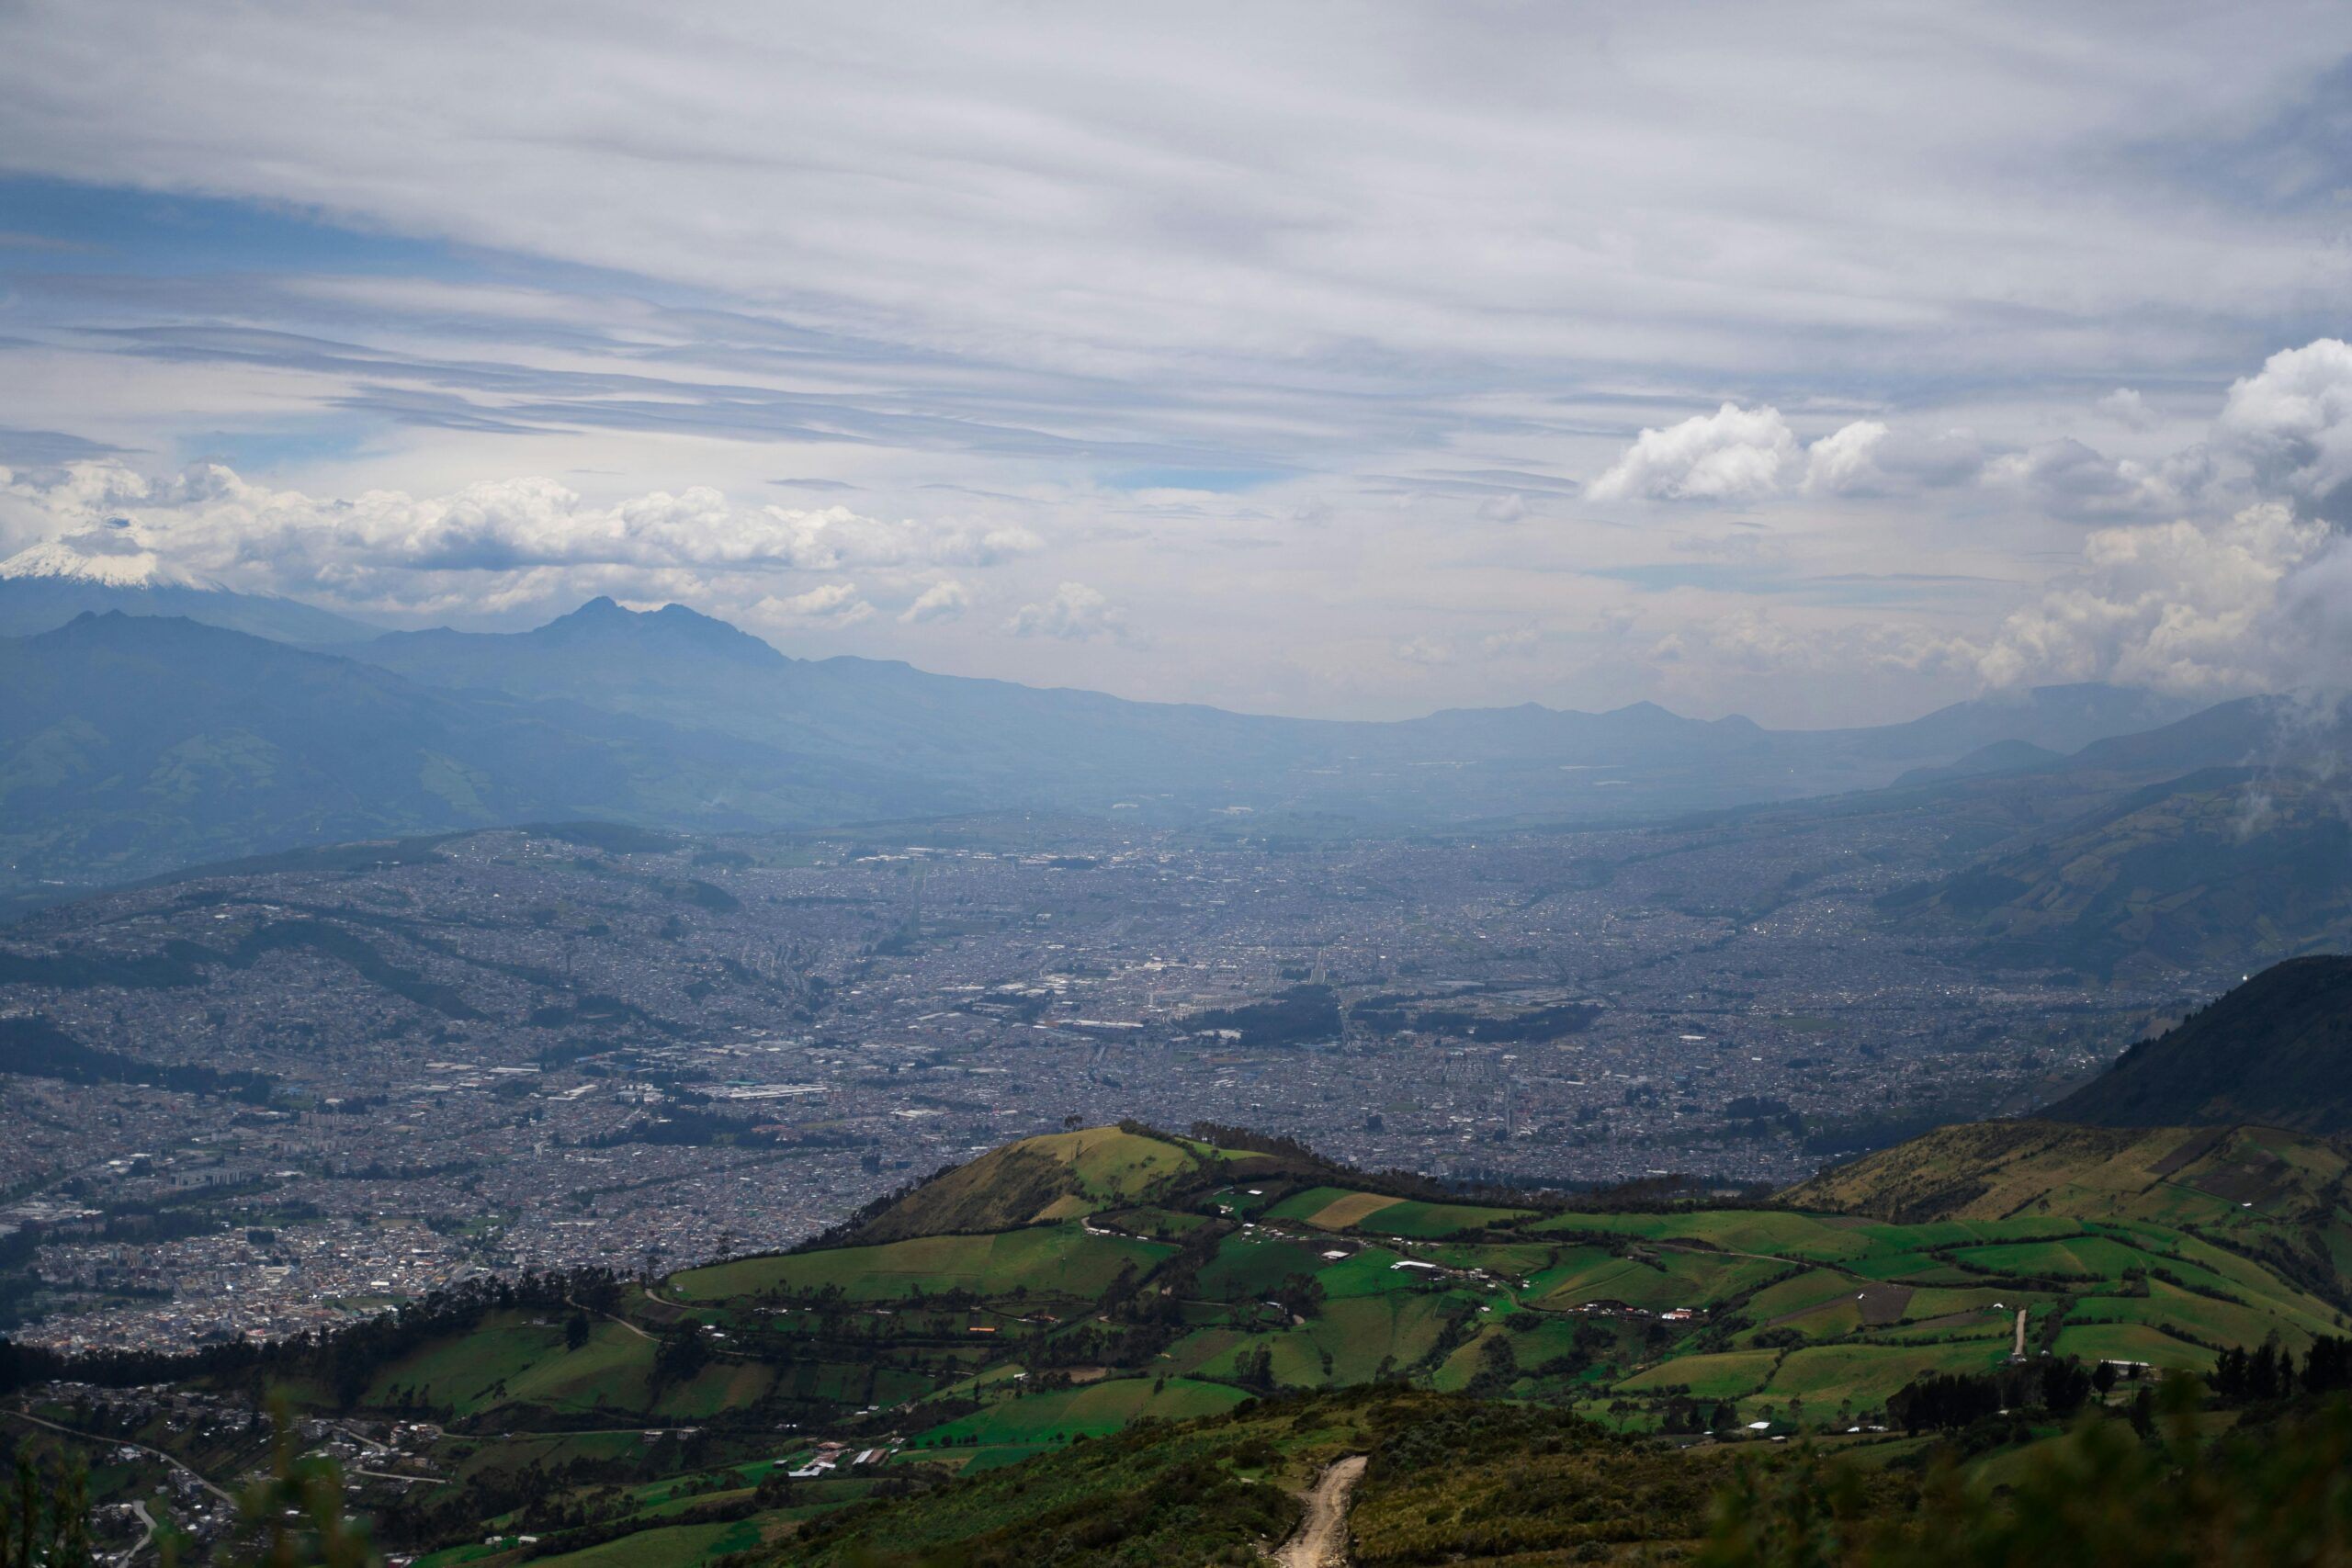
(1824, 364)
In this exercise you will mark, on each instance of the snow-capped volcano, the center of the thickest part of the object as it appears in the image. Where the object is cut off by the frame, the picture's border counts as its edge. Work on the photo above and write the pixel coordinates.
(110, 561)
(110, 568)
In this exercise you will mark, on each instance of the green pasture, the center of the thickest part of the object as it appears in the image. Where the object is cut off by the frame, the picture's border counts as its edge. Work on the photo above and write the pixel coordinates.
(1095, 1409)
(673, 1545)
(1059, 1261)
(1432, 1220)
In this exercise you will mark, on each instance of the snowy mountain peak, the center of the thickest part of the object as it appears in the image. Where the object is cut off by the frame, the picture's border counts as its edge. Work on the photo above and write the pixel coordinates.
(112, 560)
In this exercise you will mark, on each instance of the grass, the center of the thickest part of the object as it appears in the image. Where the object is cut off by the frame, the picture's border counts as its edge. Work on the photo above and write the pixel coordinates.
(1047, 1261)
(673, 1545)
(1097, 1409)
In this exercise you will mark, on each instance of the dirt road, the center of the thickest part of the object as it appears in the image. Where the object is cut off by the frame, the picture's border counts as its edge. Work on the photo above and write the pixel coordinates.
(1321, 1539)
(185, 1469)
(2019, 1352)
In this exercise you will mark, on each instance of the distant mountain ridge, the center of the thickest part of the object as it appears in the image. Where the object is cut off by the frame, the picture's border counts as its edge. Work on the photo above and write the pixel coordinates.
(673, 718)
(2221, 867)
(694, 671)
(133, 744)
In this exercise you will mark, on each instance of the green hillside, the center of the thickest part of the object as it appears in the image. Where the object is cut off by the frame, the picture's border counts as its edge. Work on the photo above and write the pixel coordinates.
(2276, 1051)
(1058, 1176)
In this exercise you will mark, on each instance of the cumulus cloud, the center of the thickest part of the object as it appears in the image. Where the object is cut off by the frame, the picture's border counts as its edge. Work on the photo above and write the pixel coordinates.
(2127, 408)
(1737, 453)
(942, 600)
(1733, 454)
(2175, 606)
(1075, 613)
(2291, 422)
(836, 604)
(1843, 460)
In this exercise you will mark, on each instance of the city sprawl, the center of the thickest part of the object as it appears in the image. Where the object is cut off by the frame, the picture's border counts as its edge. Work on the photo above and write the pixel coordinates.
(562, 1047)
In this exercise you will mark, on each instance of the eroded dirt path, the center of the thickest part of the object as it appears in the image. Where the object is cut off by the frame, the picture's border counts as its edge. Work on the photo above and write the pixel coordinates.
(1321, 1539)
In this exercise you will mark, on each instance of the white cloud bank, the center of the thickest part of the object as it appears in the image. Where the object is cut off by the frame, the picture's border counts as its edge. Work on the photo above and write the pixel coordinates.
(395, 551)
(2177, 607)
(2292, 424)
(2260, 599)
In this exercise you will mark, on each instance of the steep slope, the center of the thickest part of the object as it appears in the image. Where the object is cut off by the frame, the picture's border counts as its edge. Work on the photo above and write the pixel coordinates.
(2219, 870)
(2270, 1196)
(130, 746)
(2277, 1050)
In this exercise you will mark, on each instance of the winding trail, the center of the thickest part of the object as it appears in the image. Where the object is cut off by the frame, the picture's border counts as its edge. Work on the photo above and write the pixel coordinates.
(1321, 1539)
(2019, 1352)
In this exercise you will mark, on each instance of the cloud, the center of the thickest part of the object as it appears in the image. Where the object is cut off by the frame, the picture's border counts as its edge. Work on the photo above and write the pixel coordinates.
(942, 600)
(835, 603)
(2180, 607)
(1843, 460)
(1520, 642)
(1733, 453)
(391, 547)
(1075, 613)
(1425, 651)
(2291, 422)
(1737, 453)
(2128, 408)
(2067, 479)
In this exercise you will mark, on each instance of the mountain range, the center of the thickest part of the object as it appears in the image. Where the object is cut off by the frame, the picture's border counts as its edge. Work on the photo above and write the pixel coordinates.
(134, 742)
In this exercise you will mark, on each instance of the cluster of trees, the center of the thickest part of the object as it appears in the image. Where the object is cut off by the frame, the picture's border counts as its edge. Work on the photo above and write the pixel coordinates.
(2270, 1373)
(45, 1519)
(1941, 1401)
(2106, 1494)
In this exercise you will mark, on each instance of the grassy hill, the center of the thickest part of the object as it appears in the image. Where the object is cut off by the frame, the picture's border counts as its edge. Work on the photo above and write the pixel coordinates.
(1061, 1176)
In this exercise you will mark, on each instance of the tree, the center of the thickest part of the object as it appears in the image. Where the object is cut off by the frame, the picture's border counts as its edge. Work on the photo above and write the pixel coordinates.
(682, 1353)
(575, 1331)
(2101, 1497)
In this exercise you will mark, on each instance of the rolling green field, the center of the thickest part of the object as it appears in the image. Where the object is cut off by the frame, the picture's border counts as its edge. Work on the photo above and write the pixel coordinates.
(1052, 1261)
